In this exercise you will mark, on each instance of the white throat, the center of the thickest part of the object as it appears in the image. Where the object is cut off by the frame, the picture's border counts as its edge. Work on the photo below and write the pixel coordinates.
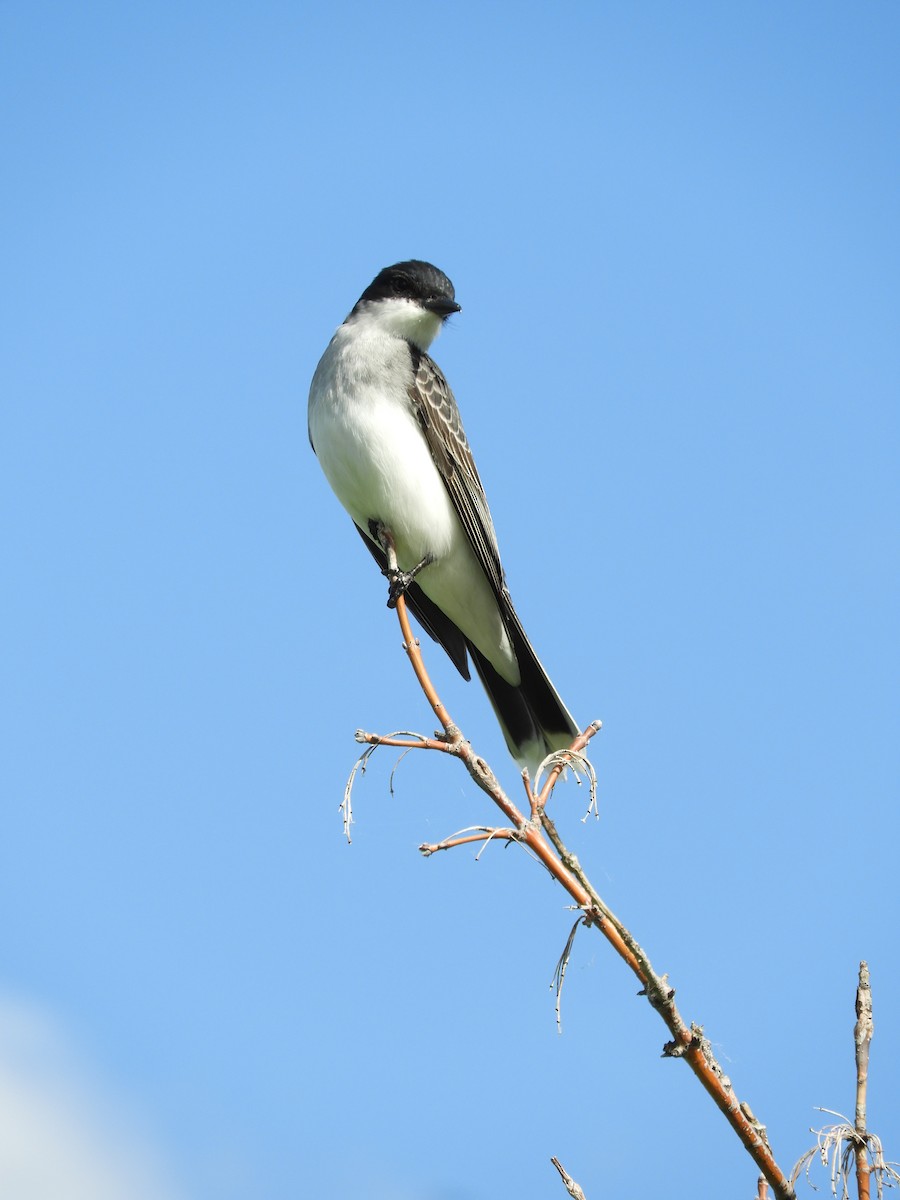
(400, 318)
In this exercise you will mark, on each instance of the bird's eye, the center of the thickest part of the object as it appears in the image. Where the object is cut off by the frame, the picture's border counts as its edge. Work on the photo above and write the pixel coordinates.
(399, 285)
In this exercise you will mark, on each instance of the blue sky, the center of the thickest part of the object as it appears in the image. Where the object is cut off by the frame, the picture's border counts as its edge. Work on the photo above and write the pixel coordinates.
(673, 231)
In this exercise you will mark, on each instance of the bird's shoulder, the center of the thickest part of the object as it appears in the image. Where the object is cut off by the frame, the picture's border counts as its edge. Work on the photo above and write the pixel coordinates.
(436, 406)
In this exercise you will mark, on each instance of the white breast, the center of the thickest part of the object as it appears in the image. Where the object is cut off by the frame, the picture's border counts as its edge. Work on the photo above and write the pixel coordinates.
(374, 454)
(372, 449)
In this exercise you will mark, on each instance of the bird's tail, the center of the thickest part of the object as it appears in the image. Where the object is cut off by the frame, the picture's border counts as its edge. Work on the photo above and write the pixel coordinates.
(533, 718)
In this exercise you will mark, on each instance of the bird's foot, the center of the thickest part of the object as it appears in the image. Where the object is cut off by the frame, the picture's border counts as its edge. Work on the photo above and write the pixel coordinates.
(399, 581)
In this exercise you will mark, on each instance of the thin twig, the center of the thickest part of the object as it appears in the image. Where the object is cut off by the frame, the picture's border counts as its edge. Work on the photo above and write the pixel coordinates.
(557, 763)
(572, 1187)
(483, 833)
(346, 805)
(559, 974)
(396, 739)
(359, 767)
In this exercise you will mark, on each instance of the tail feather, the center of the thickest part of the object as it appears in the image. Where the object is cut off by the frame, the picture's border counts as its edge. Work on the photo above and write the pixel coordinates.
(533, 718)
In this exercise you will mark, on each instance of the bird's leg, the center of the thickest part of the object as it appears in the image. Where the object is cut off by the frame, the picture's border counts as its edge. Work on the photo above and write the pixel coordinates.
(398, 581)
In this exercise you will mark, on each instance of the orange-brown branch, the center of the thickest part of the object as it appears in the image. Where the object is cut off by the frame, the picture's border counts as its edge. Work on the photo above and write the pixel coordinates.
(483, 835)
(688, 1041)
(411, 646)
(422, 743)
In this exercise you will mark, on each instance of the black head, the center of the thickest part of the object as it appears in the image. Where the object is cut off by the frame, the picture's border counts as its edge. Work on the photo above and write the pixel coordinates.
(414, 280)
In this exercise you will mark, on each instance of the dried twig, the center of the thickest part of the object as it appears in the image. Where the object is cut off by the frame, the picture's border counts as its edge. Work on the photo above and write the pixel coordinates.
(844, 1146)
(557, 763)
(571, 1186)
(346, 805)
(559, 974)
(836, 1147)
(862, 1036)
(473, 833)
(391, 739)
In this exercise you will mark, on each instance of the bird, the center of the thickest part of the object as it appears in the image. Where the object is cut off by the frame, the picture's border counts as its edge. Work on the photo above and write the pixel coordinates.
(387, 432)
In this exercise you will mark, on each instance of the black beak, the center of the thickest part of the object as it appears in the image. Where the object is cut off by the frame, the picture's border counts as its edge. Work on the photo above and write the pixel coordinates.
(442, 306)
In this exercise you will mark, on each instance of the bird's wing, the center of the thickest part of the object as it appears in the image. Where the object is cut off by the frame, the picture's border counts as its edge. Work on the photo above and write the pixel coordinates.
(442, 425)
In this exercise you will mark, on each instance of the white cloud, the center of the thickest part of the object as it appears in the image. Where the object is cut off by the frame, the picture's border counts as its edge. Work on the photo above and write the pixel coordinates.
(62, 1137)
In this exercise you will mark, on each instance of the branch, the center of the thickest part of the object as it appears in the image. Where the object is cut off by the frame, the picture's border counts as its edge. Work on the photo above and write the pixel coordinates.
(687, 1042)
(483, 833)
(571, 1186)
(845, 1146)
(862, 1036)
(539, 835)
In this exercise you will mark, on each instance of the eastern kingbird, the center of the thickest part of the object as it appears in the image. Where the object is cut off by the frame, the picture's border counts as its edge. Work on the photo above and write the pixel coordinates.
(385, 427)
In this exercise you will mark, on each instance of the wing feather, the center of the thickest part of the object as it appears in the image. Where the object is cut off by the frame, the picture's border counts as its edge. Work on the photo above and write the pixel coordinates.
(441, 423)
